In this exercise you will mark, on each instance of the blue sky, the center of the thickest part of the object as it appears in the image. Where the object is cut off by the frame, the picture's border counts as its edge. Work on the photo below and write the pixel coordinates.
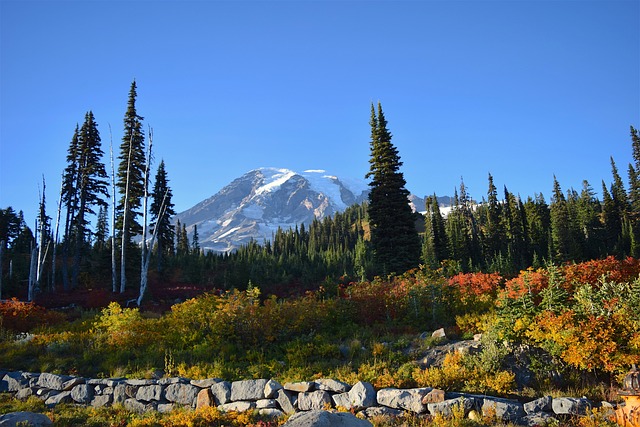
(519, 89)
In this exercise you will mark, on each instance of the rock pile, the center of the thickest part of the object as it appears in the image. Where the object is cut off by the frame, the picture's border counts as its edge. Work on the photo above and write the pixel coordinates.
(270, 398)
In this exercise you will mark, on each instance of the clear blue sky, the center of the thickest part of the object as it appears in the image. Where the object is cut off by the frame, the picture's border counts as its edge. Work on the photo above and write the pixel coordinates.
(519, 89)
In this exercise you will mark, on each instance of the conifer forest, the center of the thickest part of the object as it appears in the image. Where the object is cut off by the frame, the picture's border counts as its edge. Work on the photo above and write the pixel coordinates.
(108, 284)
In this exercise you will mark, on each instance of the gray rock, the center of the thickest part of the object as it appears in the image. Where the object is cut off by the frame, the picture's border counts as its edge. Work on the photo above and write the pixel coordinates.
(271, 389)
(206, 383)
(410, 400)
(439, 333)
(24, 393)
(45, 393)
(70, 384)
(82, 393)
(15, 381)
(286, 401)
(57, 398)
(139, 383)
(542, 404)
(30, 419)
(183, 394)
(503, 409)
(221, 393)
(447, 407)
(148, 393)
(381, 411)
(341, 400)
(101, 400)
(334, 386)
(570, 406)
(52, 381)
(139, 407)
(174, 380)
(165, 408)
(326, 419)
(120, 393)
(537, 420)
(300, 387)
(241, 406)
(266, 404)
(248, 390)
(362, 395)
(313, 400)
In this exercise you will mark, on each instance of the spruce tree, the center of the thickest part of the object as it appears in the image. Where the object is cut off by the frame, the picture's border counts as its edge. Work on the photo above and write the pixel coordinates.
(131, 180)
(395, 242)
(162, 210)
(560, 226)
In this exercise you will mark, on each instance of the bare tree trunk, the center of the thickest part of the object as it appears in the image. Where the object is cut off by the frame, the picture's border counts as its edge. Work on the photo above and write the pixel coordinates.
(144, 265)
(147, 259)
(125, 234)
(55, 240)
(32, 275)
(41, 230)
(114, 267)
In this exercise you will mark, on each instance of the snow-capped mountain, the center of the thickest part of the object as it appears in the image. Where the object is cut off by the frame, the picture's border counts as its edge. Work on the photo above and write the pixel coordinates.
(256, 204)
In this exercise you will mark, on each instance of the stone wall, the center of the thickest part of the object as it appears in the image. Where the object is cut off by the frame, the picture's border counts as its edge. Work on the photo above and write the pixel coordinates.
(273, 399)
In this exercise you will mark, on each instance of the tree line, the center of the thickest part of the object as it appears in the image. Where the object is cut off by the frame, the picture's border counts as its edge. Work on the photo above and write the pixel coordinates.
(116, 227)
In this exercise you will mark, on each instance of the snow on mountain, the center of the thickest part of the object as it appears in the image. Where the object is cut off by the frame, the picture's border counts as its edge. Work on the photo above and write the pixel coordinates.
(255, 205)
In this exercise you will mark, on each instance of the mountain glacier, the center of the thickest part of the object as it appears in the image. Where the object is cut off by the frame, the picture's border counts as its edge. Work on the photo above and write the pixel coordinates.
(255, 205)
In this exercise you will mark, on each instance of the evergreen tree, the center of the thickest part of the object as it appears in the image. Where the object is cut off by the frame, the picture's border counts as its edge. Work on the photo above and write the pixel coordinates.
(494, 234)
(589, 223)
(101, 235)
(162, 210)
(131, 180)
(395, 242)
(10, 226)
(560, 224)
(195, 240)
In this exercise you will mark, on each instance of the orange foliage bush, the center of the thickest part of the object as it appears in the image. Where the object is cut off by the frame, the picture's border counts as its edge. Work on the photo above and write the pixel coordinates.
(19, 316)
(528, 280)
(591, 271)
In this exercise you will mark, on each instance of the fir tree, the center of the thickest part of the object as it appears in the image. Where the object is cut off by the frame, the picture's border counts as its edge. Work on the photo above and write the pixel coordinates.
(131, 179)
(560, 226)
(394, 239)
(162, 210)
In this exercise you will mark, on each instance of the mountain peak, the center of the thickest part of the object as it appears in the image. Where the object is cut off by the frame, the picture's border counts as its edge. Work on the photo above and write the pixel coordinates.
(255, 205)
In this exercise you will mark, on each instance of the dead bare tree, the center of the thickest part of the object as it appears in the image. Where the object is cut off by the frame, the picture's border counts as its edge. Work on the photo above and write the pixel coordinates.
(114, 266)
(56, 237)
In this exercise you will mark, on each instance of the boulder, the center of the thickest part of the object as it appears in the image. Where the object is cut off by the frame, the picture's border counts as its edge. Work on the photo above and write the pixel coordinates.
(286, 401)
(503, 409)
(120, 393)
(266, 404)
(221, 392)
(570, 406)
(101, 400)
(138, 383)
(434, 396)
(248, 390)
(205, 398)
(133, 405)
(183, 394)
(82, 393)
(15, 381)
(341, 400)
(52, 381)
(206, 383)
(537, 420)
(362, 395)
(381, 411)
(271, 389)
(24, 393)
(326, 419)
(173, 380)
(241, 406)
(57, 398)
(410, 399)
(542, 404)
(165, 408)
(334, 386)
(148, 393)
(447, 407)
(70, 384)
(29, 419)
(300, 387)
(313, 400)
(439, 333)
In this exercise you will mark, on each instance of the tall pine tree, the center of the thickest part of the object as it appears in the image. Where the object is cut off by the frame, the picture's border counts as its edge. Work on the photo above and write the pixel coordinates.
(394, 239)
(131, 181)
(161, 213)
